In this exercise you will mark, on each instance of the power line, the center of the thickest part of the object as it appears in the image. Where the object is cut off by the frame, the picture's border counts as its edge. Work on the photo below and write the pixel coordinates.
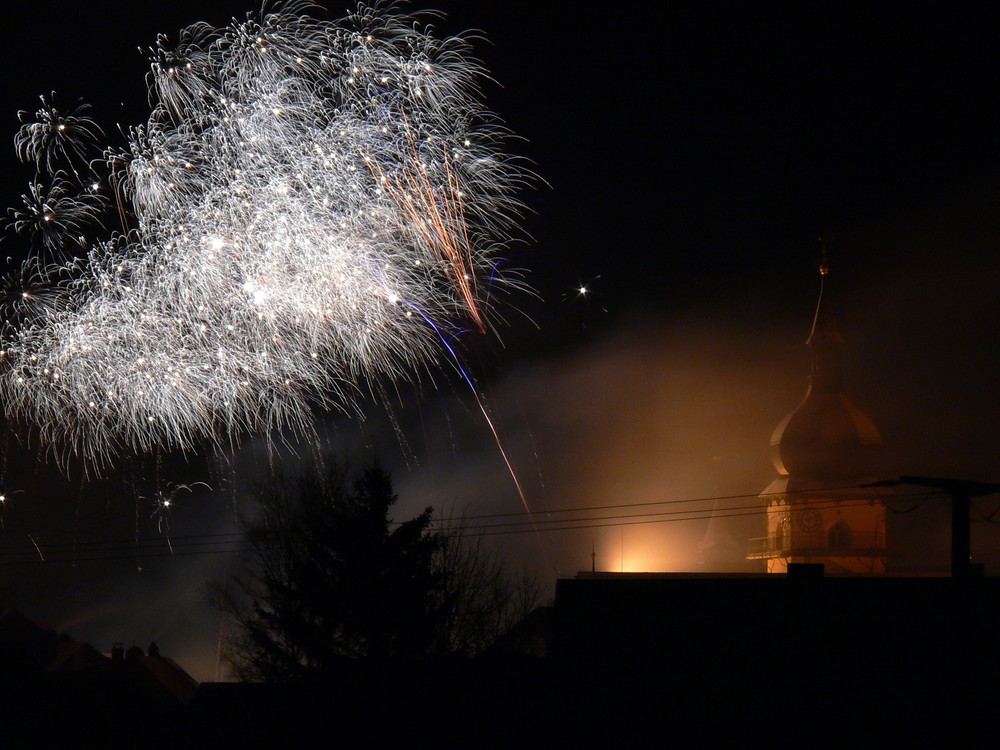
(110, 544)
(666, 502)
(716, 514)
(694, 514)
(129, 558)
(458, 525)
(157, 547)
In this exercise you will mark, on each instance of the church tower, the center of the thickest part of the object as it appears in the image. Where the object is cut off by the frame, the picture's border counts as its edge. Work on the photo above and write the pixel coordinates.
(823, 451)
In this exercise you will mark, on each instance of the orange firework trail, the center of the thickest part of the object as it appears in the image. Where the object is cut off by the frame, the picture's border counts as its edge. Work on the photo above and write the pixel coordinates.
(438, 216)
(496, 434)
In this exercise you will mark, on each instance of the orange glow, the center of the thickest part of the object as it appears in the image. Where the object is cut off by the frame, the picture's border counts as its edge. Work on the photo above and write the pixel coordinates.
(653, 548)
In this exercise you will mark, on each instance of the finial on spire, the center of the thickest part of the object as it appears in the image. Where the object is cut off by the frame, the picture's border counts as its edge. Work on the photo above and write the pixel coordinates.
(824, 340)
(824, 264)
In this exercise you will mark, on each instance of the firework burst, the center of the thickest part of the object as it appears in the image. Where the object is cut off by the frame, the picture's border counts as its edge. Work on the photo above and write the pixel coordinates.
(301, 188)
(52, 139)
(56, 214)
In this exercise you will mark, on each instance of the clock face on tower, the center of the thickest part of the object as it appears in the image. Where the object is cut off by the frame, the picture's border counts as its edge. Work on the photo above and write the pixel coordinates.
(809, 519)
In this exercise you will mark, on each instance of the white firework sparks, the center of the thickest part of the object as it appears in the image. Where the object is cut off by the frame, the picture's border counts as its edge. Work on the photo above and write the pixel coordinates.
(308, 202)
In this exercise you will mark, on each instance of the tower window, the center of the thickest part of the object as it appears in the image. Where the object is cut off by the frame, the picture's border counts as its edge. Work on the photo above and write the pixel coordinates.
(783, 535)
(838, 536)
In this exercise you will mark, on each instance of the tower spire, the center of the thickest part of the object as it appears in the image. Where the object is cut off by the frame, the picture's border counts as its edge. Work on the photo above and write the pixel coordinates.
(826, 435)
(825, 445)
(824, 340)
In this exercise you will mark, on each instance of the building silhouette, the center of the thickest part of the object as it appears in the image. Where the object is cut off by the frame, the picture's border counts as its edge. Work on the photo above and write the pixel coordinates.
(826, 450)
(56, 691)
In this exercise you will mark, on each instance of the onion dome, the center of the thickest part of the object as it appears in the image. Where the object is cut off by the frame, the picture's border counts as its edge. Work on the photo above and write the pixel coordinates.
(826, 436)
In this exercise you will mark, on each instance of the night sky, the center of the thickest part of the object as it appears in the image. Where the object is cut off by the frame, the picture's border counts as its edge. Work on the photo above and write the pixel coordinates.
(688, 157)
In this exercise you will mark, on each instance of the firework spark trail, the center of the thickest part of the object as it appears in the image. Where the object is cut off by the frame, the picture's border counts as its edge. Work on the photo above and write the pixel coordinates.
(457, 363)
(300, 187)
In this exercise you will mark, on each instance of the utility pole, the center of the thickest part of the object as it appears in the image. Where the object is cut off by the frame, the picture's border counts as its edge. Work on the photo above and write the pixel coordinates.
(962, 491)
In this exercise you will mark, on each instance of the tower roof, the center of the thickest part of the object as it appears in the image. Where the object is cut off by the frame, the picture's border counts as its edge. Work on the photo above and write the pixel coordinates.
(826, 436)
